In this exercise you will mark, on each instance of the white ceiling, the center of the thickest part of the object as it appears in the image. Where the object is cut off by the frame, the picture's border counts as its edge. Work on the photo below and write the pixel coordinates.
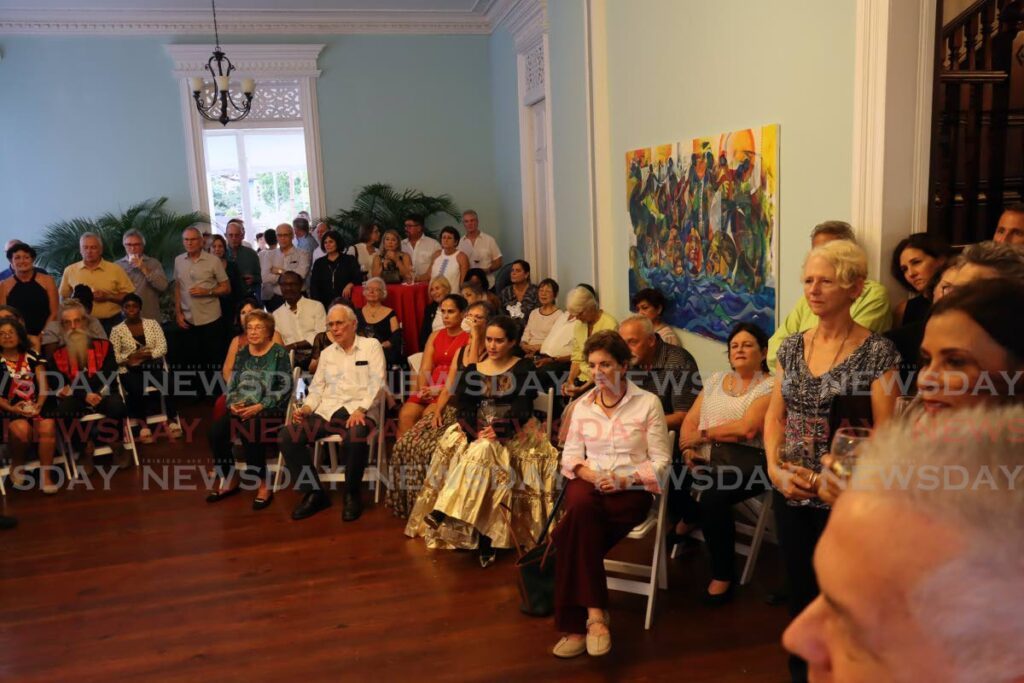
(478, 6)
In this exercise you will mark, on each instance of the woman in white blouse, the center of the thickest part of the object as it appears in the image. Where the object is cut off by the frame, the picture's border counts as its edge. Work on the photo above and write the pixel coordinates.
(616, 455)
(729, 410)
(448, 262)
(543, 319)
(366, 248)
(139, 348)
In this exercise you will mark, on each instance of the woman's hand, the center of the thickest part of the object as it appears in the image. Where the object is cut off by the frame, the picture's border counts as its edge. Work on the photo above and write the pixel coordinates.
(691, 442)
(487, 433)
(830, 486)
(436, 419)
(793, 481)
(26, 408)
(693, 458)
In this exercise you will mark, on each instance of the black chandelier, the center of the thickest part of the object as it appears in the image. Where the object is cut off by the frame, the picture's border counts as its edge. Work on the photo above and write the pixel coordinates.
(216, 107)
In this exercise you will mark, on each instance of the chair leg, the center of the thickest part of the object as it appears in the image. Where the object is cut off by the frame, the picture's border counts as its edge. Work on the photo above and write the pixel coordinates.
(755, 542)
(280, 469)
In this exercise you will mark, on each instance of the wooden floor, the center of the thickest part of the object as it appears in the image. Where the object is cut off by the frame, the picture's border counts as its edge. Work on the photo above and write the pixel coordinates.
(134, 584)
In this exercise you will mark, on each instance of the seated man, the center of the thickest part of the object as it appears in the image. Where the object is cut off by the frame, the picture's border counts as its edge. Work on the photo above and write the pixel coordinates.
(348, 382)
(53, 333)
(871, 309)
(299, 320)
(87, 370)
(938, 598)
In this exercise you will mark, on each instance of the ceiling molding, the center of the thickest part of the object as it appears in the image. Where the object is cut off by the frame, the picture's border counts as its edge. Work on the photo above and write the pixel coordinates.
(258, 61)
(249, 22)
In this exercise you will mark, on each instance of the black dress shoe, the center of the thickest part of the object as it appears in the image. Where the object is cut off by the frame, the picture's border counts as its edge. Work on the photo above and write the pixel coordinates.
(261, 503)
(353, 508)
(215, 496)
(312, 503)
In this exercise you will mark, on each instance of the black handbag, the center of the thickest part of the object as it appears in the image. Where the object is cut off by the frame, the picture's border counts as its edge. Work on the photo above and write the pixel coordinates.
(736, 455)
(535, 569)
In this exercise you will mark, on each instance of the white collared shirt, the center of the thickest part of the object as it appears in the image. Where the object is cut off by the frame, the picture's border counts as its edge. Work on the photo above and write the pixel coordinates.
(481, 253)
(634, 439)
(303, 324)
(296, 260)
(350, 379)
(422, 254)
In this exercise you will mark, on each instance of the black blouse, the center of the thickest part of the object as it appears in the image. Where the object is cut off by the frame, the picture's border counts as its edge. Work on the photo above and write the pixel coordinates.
(512, 392)
(329, 278)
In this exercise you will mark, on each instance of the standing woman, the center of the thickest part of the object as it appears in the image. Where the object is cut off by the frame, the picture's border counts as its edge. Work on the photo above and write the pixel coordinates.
(334, 274)
(34, 294)
(616, 453)
(391, 263)
(24, 405)
(651, 303)
(822, 374)
(238, 291)
(449, 261)
(377, 321)
(915, 260)
(366, 248)
(257, 396)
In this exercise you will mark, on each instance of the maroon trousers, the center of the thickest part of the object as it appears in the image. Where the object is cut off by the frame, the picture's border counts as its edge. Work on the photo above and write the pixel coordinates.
(593, 523)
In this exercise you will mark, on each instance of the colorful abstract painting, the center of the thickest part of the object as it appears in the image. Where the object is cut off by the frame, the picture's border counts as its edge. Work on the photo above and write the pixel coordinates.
(704, 222)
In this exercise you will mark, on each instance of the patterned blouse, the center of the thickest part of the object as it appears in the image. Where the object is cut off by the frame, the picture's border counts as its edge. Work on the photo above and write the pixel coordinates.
(262, 379)
(515, 308)
(125, 345)
(809, 398)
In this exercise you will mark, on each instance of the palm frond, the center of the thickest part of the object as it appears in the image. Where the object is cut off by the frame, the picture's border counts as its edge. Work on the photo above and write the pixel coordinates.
(380, 203)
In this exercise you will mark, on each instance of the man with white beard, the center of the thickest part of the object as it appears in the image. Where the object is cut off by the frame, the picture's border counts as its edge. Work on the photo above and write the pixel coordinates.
(87, 370)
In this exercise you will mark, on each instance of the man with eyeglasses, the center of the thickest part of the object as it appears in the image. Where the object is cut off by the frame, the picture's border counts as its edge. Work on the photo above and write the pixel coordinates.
(287, 257)
(145, 272)
(200, 280)
(420, 248)
(244, 257)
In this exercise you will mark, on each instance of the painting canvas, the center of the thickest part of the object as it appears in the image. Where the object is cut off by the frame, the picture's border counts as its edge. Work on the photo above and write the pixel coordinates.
(704, 222)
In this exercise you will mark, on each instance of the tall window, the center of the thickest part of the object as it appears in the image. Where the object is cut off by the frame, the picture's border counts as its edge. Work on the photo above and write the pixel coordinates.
(258, 174)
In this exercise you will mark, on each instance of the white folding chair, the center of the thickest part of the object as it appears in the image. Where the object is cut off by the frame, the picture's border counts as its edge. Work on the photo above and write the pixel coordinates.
(755, 520)
(278, 467)
(372, 474)
(5, 470)
(128, 439)
(415, 360)
(655, 574)
(156, 418)
(545, 403)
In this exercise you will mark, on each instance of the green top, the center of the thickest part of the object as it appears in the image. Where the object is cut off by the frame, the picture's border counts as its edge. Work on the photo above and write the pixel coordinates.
(579, 339)
(871, 309)
(265, 379)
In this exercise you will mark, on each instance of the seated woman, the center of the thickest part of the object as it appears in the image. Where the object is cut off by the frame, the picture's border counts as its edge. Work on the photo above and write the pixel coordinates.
(245, 307)
(590, 319)
(438, 289)
(139, 348)
(32, 292)
(729, 410)
(25, 407)
(543, 318)
(390, 263)
(651, 303)
(257, 398)
(438, 355)
(377, 321)
(915, 260)
(616, 454)
(495, 446)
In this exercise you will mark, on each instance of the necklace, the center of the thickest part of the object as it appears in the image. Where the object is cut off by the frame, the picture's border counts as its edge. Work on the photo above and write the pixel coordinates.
(604, 403)
(842, 344)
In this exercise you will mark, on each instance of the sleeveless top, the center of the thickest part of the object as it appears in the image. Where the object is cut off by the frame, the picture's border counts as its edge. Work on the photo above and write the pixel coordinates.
(31, 299)
(446, 347)
(719, 406)
(447, 266)
(18, 378)
(512, 394)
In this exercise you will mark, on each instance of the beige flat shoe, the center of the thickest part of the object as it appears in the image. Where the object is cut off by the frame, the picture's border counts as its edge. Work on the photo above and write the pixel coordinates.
(567, 648)
(599, 644)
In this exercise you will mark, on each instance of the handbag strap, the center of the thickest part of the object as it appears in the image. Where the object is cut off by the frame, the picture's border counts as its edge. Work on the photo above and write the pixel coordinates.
(551, 517)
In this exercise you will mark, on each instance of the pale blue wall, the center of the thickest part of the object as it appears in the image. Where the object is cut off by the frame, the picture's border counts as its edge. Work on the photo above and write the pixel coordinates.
(104, 127)
(678, 70)
(505, 111)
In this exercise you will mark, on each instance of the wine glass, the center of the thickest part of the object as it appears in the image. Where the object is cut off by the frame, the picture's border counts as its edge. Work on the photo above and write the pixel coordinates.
(488, 412)
(845, 449)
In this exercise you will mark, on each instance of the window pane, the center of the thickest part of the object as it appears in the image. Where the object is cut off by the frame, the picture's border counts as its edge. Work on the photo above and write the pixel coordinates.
(222, 177)
(278, 186)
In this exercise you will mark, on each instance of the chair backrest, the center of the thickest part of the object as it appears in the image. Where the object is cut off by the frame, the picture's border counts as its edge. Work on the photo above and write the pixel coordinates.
(296, 373)
(545, 403)
(415, 360)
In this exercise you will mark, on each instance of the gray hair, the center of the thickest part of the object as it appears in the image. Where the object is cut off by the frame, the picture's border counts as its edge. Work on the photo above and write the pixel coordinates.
(580, 299)
(70, 305)
(349, 313)
(377, 281)
(966, 603)
(644, 322)
(838, 229)
(1006, 259)
(470, 212)
(133, 233)
(87, 235)
(193, 228)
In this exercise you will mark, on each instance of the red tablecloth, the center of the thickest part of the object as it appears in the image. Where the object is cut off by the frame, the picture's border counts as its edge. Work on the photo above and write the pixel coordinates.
(410, 303)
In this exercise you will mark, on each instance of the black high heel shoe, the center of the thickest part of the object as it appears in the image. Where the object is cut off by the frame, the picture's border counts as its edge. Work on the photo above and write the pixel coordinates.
(434, 519)
(488, 555)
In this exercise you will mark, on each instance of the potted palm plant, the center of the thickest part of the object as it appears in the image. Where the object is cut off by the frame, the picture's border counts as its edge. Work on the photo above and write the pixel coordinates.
(382, 204)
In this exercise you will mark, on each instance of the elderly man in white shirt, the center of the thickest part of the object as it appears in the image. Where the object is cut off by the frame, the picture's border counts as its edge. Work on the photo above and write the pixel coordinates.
(348, 383)
(481, 248)
(279, 261)
(420, 248)
(299, 320)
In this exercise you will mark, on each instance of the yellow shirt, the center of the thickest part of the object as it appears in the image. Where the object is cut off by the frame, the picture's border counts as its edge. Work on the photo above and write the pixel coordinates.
(107, 276)
(605, 322)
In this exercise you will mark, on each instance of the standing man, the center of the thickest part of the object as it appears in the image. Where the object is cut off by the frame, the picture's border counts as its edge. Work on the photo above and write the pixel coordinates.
(303, 240)
(1011, 226)
(244, 258)
(146, 273)
(419, 247)
(299, 319)
(319, 232)
(279, 261)
(108, 281)
(199, 279)
(482, 250)
(347, 384)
